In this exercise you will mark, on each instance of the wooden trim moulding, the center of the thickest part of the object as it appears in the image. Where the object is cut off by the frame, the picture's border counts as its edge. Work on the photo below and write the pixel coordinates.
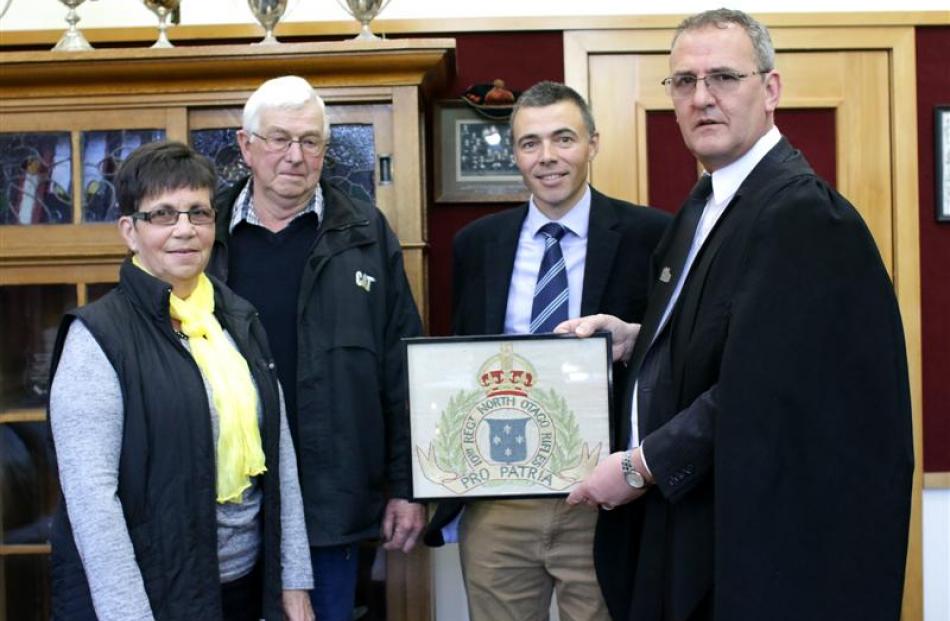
(252, 32)
(26, 548)
(937, 480)
(145, 71)
(23, 416)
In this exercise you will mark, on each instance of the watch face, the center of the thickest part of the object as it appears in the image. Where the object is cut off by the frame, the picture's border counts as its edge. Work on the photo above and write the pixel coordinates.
(634, 479)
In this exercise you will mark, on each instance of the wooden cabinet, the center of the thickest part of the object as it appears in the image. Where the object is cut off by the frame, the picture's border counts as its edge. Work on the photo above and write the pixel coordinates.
(68, 119)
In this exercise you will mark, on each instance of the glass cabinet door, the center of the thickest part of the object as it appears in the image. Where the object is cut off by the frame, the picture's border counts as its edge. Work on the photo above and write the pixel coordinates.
(359, 136)
(59, 249)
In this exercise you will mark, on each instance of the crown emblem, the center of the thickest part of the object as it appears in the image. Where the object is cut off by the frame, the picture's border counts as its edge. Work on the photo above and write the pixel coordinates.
(506, 373)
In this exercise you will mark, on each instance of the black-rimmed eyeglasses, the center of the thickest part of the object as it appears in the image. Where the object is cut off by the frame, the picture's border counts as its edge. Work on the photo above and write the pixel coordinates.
(683, 85)
(279, 143)
(166, 216)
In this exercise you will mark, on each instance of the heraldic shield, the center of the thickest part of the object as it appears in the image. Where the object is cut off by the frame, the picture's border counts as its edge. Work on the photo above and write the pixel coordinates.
(508, 441)
(515, 432)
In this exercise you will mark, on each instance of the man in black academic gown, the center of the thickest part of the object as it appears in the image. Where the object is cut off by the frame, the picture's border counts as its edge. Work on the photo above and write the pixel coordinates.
(765, 459)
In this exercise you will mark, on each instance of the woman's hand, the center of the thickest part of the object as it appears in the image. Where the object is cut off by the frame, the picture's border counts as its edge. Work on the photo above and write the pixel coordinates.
(296, 604)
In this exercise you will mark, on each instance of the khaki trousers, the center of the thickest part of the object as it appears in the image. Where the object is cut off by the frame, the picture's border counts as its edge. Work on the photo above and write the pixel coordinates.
(516, 552)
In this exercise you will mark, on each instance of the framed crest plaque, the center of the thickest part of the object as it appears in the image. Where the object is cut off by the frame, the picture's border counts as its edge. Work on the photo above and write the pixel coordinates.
(507, 416)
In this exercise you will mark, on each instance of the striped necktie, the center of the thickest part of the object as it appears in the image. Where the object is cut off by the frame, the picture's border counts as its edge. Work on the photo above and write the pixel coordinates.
(550, 294)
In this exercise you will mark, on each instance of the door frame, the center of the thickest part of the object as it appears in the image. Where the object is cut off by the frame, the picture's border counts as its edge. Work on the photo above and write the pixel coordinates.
(899, 44)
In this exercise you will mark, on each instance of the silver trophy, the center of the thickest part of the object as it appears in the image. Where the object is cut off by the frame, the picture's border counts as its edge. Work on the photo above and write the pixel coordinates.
(162, 8)
(268, 13)
(364, 11)
(72, 40)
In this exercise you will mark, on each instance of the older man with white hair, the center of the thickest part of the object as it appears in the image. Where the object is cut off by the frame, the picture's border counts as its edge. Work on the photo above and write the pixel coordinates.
(325, 271)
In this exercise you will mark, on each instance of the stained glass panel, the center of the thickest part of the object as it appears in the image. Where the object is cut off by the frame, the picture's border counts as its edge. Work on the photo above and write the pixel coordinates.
(350, 160)
(102, 153)
(221, 147)
(36, 178)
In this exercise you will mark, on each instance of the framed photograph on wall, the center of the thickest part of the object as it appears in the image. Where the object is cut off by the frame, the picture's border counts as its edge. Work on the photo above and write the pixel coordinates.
(942, 160)
(474, 161)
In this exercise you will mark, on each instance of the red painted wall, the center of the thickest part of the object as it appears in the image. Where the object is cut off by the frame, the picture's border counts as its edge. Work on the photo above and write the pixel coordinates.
(933, 88)
(520, 59)
(672, 170)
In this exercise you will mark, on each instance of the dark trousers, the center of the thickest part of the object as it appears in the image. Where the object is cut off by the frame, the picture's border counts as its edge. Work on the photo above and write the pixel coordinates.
(241, 599)
(335, 570)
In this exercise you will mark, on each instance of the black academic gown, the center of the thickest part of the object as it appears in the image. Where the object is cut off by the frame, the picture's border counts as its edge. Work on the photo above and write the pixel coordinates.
(779, 427)
(621, 239)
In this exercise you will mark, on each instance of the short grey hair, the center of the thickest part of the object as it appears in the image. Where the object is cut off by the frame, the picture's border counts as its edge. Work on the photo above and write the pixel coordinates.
(721, 18)
(547, 93)
(288, 92)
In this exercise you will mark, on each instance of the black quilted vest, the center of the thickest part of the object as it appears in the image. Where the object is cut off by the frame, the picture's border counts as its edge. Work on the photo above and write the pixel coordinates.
(167, 466)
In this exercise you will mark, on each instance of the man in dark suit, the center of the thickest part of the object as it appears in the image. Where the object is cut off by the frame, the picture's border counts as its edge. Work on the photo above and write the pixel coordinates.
(766, 470)
(516, 553)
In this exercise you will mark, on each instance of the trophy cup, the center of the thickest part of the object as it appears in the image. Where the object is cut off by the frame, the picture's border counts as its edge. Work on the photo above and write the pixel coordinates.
(364, 11)
(268, 13)
(162, 8)
(72, 40)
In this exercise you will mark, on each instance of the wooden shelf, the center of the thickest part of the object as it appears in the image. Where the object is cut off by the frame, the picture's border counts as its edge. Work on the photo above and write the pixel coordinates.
(31, 76)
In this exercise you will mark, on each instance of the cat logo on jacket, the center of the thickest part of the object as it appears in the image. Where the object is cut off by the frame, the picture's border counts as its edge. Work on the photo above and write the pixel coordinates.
(364, 281)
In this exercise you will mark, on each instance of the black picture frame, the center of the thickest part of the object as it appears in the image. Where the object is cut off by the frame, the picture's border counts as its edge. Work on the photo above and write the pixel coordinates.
(507, 416)
(473, 161)
(942, 162)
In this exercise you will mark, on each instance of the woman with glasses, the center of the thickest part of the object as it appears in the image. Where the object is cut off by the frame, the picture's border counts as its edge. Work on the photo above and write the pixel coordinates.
(177, 470)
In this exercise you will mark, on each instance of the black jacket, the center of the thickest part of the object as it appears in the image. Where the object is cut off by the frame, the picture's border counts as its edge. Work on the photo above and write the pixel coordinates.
(779, 428)
(351, 425)
(621, 239)
(166, 478)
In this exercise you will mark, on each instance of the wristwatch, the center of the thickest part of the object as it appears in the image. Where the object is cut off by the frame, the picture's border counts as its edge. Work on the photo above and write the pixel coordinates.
(633, 478)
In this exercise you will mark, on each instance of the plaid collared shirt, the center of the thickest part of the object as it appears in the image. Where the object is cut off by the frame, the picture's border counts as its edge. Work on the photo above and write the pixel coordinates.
(244, 207)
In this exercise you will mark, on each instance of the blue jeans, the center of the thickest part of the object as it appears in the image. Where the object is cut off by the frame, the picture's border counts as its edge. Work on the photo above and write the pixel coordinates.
(334, 581)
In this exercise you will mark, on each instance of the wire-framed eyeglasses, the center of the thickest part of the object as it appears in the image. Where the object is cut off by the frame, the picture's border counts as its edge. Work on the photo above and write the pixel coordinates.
(683, 85)
(166, 216)
(280, 143)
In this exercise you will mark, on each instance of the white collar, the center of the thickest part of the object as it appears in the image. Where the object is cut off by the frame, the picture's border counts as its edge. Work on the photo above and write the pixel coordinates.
(576, 220)
(726, 181)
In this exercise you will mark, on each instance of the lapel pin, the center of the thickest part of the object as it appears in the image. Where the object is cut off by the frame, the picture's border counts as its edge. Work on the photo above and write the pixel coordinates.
(666, 275)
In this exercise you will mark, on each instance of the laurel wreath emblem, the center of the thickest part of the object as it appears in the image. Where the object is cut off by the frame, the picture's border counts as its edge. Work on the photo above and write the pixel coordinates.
(448, 442)
(567, 451)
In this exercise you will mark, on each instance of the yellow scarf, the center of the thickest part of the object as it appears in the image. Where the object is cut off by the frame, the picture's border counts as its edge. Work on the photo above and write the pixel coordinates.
(239, 454)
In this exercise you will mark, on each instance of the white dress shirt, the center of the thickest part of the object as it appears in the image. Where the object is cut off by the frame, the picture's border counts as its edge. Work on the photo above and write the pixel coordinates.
(725, 184)
(531, 244)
